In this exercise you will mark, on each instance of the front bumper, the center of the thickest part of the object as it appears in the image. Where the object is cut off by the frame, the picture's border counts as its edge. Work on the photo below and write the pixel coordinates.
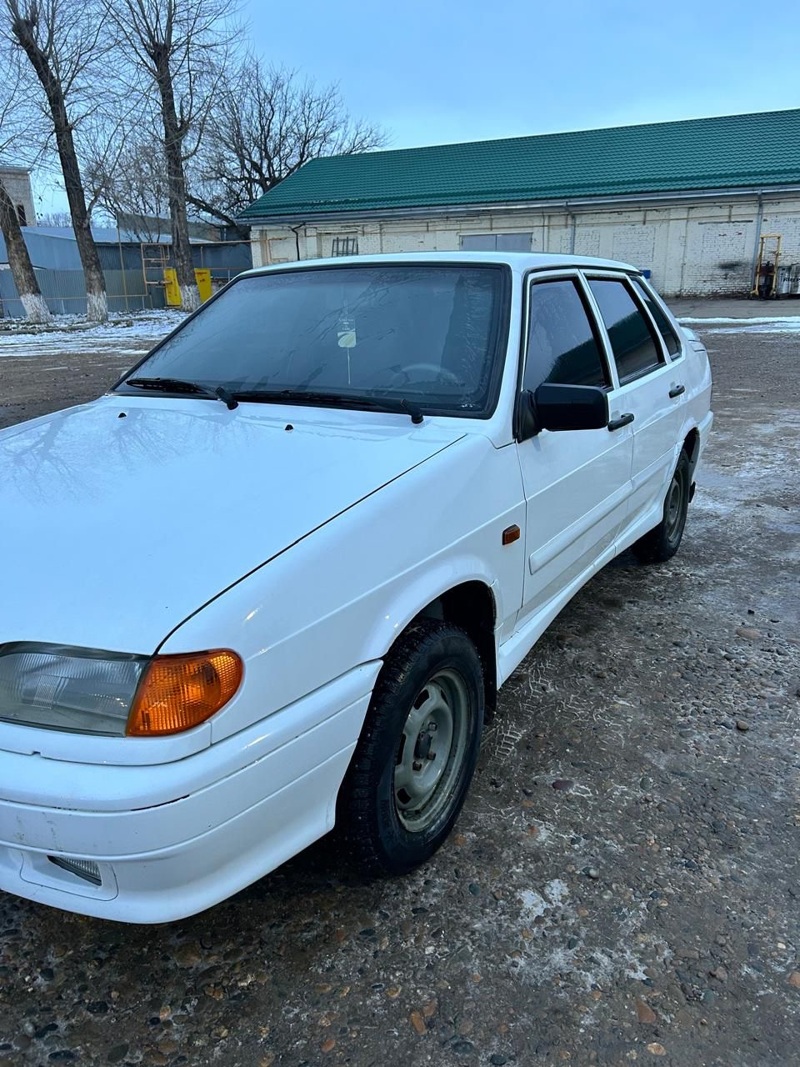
(217, 820)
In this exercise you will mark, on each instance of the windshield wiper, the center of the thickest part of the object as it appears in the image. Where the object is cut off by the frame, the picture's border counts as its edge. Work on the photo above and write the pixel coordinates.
(178, 385)
(333, 400)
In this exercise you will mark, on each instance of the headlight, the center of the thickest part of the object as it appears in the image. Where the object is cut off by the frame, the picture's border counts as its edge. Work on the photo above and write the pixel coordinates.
(91, 692)
(66, 688)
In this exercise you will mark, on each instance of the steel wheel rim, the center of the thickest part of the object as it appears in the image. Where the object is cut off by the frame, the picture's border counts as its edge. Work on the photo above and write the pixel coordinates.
(674, 507)
(432, 750)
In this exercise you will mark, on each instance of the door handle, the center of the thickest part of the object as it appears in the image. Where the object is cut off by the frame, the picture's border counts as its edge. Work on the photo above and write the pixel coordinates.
(623, 420)
(676, 390)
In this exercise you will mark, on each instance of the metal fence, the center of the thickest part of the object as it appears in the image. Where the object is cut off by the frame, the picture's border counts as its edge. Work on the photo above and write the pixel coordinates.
(131, 284)
(65, 292)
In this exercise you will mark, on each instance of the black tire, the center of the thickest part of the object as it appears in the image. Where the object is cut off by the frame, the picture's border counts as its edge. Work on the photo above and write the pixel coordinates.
(662, 542)
(397, 803)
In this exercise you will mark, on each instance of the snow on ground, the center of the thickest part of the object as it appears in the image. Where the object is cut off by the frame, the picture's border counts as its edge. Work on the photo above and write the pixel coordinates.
(763, 324)
(122, 335)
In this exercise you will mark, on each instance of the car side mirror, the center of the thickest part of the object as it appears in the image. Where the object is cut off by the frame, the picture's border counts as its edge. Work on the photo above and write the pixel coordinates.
(562, 407)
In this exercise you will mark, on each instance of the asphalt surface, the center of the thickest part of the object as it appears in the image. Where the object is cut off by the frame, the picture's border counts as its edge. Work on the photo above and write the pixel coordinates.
(623, 883)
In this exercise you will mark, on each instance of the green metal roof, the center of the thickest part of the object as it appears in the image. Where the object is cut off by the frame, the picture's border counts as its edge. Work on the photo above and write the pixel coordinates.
(717, 153)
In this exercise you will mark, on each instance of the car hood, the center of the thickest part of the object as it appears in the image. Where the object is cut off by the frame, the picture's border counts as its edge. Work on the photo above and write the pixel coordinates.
(120, 518)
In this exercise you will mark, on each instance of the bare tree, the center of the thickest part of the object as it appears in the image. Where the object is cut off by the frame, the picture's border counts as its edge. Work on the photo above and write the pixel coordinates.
(33, 303)
(61, 41)
(132, 186)
(125, 172)
(57, 219)
(16, 130)
(267, 123)
(180, 46)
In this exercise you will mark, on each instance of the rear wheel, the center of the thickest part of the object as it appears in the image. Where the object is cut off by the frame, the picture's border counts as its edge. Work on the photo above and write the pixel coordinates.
(662, 542)
(417, 752)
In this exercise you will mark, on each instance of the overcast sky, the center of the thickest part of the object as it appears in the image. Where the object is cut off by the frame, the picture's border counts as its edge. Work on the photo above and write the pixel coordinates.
(432, 71)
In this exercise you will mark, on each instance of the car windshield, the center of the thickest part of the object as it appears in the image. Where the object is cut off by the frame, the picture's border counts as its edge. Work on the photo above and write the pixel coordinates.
(429, 336)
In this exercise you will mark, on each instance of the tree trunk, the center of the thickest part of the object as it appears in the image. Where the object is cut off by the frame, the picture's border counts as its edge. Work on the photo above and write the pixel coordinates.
(33, 302)
(176, 191)
(96, 299)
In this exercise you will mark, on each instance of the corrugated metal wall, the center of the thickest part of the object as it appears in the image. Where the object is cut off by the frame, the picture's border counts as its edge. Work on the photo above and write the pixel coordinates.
(57, 266)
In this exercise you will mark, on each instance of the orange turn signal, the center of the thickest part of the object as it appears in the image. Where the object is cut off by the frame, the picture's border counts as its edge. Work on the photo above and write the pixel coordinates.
(179, 692)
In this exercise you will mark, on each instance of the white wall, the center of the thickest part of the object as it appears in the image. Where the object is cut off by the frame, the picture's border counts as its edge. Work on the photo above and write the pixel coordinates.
(17, 182)
(693, 248)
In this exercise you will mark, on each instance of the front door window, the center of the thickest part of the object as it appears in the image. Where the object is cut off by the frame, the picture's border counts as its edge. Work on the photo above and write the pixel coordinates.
(562, 344)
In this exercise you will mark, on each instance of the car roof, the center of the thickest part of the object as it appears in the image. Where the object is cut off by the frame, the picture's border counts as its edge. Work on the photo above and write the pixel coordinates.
(518, 261)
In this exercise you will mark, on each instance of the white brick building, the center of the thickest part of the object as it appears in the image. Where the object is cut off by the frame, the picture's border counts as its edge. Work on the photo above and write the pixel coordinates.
(688, 201)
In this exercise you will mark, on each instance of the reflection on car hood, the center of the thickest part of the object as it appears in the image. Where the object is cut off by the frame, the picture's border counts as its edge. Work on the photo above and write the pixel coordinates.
(120, 518)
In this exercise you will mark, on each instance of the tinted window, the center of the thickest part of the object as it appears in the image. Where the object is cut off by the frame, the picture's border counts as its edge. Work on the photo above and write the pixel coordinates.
(635, 347)
(427, 334)
(562, 346)
(660, 319)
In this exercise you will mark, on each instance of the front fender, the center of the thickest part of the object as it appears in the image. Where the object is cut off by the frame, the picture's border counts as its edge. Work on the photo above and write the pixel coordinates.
(340, 597)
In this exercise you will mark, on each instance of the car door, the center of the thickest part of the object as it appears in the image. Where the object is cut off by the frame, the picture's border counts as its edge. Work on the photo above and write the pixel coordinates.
(576, 482)
(650, 388)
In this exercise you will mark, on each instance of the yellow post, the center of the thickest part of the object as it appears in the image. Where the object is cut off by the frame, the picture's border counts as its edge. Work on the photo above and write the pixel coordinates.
(172, 292)
(202, 275)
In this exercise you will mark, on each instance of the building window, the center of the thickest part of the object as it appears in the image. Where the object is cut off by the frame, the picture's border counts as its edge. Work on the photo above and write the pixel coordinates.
(496, 242)
(22, 215)
(344, 246)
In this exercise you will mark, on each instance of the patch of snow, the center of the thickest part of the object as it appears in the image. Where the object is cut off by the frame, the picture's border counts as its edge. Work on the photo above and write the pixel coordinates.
(535, 904)
(757, 324)
(633, 967)
(723, 320)
(122, 335)
(556, 892)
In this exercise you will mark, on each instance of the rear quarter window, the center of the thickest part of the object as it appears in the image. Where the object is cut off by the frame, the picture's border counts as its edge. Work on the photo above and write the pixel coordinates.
(662, 322)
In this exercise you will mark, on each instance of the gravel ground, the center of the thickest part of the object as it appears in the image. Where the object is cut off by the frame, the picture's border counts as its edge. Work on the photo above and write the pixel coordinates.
(623, 883)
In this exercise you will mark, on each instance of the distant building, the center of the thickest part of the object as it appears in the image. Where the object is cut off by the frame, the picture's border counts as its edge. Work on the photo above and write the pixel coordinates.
(17, 182)
(151, 228)
(689, 201)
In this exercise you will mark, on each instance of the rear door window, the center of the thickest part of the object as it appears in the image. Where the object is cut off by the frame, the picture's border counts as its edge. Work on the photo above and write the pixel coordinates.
(633, 341)
(562, 343)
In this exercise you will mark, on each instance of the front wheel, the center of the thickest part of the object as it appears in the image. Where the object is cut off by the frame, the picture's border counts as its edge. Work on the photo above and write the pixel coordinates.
(662, 542)
(417, 752)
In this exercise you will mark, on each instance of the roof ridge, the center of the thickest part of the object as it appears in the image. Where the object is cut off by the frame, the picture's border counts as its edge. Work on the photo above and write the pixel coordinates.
(714, 152)
(562, 133)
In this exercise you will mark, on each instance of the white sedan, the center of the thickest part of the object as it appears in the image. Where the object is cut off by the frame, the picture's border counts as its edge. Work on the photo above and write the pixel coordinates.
(273, 580)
